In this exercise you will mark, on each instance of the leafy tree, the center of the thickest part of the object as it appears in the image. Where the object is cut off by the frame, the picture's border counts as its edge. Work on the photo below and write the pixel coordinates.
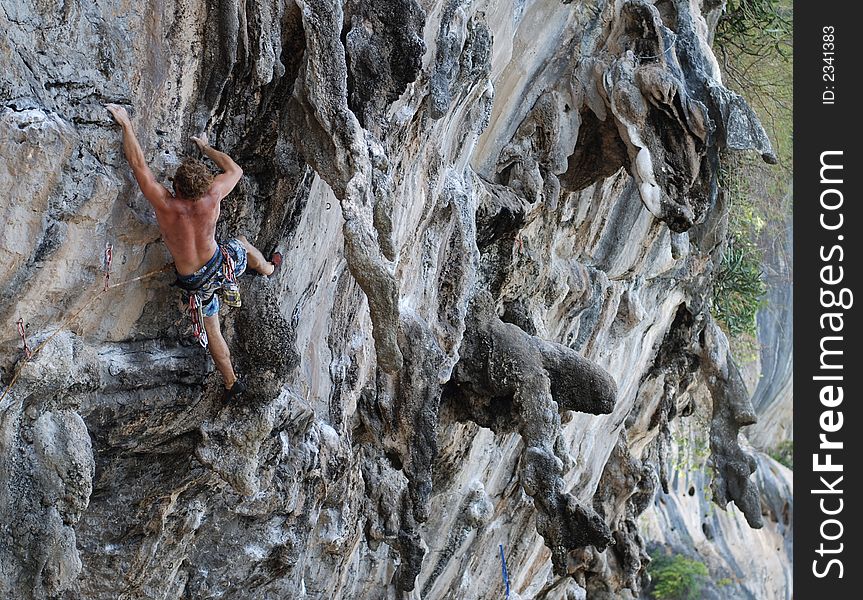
(676, 577)
(738, 289)
(753, 41)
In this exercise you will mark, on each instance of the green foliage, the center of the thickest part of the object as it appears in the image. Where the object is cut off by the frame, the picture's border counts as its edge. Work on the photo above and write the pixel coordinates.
(784, 453)
(738, 289)
(756, 27)
(744, 348)
(753, 43)
(692, 445)
(676, 577)
(690, 454)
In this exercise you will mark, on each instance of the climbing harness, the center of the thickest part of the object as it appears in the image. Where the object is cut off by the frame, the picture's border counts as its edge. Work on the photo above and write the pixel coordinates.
(27, 352)
(217, 276)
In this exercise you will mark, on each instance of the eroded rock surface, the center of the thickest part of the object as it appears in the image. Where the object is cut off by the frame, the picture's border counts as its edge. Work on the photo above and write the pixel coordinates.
(500, 222)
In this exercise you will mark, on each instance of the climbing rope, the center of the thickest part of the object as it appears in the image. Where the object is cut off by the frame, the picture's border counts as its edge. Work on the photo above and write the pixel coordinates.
(503, 570)
(66, 321)
(665, 51)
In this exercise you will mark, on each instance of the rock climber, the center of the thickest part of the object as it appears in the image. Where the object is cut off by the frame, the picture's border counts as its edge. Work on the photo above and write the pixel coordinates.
(187, 220)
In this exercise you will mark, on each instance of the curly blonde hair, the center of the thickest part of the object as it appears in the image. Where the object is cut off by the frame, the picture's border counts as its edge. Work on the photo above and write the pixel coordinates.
(192, 179)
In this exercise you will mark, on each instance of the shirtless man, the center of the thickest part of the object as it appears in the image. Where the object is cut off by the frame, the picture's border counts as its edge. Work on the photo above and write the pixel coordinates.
(187, 220)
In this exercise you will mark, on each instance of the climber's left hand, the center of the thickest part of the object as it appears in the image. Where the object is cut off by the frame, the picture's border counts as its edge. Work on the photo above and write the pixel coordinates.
(119, 113)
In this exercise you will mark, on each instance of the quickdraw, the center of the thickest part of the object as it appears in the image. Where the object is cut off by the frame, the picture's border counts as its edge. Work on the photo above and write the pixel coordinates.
(109, 256)
(27, 352)
(64, 323)
(228, 265)
(197, 313)
(231, 292)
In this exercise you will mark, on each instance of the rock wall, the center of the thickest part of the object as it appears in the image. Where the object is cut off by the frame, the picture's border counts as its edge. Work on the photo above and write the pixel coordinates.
(773, 397)
(500, 220)
(683, 520)
(743, 562)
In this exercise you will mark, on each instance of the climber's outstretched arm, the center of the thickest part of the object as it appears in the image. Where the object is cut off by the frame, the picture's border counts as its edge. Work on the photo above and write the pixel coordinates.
(226, 181)
(153, 191)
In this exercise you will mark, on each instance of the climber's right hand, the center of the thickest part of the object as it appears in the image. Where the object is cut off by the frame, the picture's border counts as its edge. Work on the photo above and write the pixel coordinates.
(201, 141)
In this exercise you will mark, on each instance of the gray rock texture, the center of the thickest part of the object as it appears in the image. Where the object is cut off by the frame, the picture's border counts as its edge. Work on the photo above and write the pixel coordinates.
(772, 397)
(500, 220)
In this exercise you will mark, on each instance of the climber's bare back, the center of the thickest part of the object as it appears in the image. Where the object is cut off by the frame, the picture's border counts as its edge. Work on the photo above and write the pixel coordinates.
(189, 229)
(188, 226)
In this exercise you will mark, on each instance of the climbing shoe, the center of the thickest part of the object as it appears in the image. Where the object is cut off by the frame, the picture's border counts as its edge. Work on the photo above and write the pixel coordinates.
(237, 389)
(276, 259)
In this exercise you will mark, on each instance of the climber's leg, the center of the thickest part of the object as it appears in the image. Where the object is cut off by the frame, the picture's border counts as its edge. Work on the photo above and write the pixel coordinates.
(219, 350)
(255, 258)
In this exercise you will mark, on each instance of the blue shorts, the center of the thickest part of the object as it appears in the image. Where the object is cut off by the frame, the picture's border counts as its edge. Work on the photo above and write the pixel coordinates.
(208, 281)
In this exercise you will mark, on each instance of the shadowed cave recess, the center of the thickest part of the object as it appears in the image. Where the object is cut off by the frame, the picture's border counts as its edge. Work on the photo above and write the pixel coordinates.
(500, 219)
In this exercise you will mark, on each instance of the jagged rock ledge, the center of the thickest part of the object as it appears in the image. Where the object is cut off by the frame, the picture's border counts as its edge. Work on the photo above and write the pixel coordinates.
(501, 220)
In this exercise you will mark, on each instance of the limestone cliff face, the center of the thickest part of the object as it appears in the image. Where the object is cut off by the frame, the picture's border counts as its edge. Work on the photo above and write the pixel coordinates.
(500, 219)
